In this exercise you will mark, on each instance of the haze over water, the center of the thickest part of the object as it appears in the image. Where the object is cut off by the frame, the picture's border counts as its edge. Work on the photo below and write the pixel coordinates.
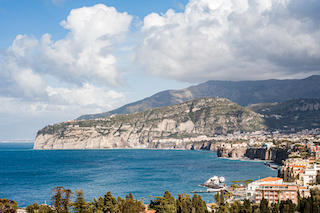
(27, 175)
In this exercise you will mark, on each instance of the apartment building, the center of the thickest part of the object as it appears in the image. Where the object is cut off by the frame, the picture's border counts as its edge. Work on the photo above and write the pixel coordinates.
(251, 188)
(275, 193)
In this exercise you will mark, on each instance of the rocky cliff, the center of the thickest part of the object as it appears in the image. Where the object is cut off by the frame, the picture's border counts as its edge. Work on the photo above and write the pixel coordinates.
(275, 154)
(207, 145)
(204, 116)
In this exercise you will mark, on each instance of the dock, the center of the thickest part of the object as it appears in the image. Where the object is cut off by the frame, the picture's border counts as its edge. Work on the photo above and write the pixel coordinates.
(202, 191)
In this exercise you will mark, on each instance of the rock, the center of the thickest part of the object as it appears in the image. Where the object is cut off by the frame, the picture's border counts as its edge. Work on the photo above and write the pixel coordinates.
(205, 116)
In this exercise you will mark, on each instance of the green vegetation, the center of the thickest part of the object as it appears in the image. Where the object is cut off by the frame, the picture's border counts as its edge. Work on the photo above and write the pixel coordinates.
(36, 208)
(296, 114)
(61, 199)
(168, 204)
(61, 203)
(8, 206)
(209, 116)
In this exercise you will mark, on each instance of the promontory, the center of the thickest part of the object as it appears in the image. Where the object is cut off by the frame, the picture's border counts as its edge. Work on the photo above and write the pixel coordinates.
(204, 116)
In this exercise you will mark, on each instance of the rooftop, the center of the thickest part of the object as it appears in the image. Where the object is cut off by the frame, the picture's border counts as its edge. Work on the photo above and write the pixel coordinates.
(269, 179)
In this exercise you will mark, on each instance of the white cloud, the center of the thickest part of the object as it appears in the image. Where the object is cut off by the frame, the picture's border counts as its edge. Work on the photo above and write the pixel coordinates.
(232, 40)
(86, 96)
(21, 118)
(85, 58)
(86, 54)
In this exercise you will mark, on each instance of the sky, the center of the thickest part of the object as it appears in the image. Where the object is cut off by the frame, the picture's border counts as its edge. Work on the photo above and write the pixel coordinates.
(60, 59)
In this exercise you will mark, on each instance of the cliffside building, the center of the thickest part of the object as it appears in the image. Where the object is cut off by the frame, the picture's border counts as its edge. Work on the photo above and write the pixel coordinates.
(311, 174)
(292, 167)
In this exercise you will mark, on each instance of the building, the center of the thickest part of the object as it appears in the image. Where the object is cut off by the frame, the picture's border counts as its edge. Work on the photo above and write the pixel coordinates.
(251, 188)
(292, 167)
(309, 175)
(275, 193)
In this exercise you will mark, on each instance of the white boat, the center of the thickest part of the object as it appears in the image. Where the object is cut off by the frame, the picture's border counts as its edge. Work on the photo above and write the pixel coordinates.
(215, 180)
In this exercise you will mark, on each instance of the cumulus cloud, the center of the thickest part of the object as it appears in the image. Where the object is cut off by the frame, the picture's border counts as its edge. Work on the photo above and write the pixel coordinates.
(232, 40)
(79, 62)
(86, 54)
(86, 96)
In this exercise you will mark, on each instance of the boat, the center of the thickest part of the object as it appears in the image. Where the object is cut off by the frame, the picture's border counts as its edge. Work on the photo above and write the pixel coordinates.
(215, 180)
(214, 183)
(272, 165)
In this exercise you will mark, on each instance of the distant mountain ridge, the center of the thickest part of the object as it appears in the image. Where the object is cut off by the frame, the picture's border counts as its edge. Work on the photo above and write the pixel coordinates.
(243, 93)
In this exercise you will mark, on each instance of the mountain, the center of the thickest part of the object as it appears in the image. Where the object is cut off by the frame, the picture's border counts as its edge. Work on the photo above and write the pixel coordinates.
(242, 92)
(204, 116)
(293, 115)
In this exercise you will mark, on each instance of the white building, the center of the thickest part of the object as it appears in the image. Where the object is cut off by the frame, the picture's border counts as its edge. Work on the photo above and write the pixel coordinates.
(250, 193)
(309, 175)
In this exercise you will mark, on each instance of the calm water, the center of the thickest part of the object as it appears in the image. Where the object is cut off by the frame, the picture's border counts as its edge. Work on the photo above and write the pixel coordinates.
(27, 175)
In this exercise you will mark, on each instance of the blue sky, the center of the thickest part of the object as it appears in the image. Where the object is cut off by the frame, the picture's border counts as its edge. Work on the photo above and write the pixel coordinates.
(60, 59)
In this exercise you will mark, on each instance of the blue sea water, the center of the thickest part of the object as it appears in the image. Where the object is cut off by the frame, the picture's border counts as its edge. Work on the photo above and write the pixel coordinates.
(27, 175)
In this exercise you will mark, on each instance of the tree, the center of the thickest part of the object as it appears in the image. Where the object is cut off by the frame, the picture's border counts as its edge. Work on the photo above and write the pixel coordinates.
(38, 208)
(246, 206)
(264, 206)
(8, 206)
(61, 199)
(80, 205)
(110, 203)
(222, 206)
(96, 205)
(130, 205)
(275, 208)
(183, 203)
(165, 204)
(286, 206)
(217, 199)
(236, 206)
(33, 208)
(198, 205)
(44, 209)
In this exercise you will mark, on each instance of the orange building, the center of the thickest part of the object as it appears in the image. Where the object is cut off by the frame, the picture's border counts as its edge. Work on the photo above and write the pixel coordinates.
(275, 193)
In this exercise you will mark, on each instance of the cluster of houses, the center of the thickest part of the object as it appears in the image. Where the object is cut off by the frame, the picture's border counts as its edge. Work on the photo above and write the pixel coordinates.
(297, 175)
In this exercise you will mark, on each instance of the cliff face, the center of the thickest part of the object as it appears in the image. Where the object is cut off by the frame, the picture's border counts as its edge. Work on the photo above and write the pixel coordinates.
(274, 154)
(209, 146)
(205, 116)
(231, 152)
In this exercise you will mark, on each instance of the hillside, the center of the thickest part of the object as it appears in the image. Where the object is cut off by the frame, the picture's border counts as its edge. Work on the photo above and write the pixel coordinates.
(204, 116)
(293, 115)
(242, 92)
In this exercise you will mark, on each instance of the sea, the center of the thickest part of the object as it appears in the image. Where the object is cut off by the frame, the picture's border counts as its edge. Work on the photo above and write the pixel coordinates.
(27, 176)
